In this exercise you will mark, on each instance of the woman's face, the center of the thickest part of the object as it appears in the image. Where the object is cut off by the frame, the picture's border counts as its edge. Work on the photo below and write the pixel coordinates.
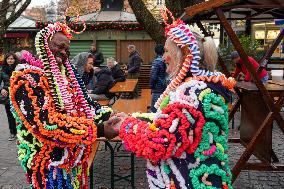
(89, 65)
(11, 60)
(172, 58)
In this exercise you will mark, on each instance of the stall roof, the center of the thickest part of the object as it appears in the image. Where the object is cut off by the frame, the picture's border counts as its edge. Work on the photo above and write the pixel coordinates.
(22, 23)
(109, 16)
(259, 10)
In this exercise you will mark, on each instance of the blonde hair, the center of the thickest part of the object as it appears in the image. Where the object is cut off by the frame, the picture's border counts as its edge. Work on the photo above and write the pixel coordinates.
(208, 52)
(179, 57)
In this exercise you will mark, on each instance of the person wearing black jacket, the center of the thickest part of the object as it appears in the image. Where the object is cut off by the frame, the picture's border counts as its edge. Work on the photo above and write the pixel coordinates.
(117, 73)
(157, 76)
(104, 81)
(9, 65)
(97, 55)
(134, 63)
(133, 66)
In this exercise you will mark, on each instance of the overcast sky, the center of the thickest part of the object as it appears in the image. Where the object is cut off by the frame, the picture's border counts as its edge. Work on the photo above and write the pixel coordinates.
(39, 2)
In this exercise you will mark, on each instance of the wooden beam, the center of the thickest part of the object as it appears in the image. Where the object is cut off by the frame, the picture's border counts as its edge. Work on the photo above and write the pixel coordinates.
(248, 6)
(243, 18)
(251, 146)
(278, 13)
(205, 6)
(258, 13)
(264, 167)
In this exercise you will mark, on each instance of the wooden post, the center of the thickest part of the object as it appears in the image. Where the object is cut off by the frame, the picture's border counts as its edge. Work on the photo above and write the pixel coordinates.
(248, 25)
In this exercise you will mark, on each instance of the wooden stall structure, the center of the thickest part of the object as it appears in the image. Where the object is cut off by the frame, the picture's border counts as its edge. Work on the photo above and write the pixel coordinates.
(258, 130)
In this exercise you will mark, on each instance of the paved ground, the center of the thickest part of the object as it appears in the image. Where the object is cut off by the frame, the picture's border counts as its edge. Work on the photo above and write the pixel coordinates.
(12, 177)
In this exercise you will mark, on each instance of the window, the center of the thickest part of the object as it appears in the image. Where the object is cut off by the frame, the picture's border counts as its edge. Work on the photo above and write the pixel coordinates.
(112, 5)
(159, 2)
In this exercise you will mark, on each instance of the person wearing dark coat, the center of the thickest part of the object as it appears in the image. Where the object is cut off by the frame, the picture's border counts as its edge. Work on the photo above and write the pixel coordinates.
(84, 64)
(117, 73)
(133, 66)
(97, 55)
(134, 63)
(104, 81)
(157, 76)
(9, 65)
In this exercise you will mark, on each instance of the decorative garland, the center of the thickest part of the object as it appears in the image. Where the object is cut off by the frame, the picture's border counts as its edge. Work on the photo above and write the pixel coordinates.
(124, 26)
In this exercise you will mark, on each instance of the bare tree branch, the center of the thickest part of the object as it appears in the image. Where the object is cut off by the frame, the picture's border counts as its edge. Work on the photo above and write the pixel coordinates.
(18, 13)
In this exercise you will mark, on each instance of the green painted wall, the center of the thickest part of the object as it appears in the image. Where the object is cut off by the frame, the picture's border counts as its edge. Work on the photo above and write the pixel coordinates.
(112, 35)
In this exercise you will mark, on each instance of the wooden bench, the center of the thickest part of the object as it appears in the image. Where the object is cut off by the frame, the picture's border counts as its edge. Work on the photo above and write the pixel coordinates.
(130, 105)
(144, 78)
(146, 96)
(104, 102)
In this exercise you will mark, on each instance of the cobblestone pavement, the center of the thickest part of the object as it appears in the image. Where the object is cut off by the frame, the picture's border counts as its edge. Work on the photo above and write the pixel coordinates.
(12, 176)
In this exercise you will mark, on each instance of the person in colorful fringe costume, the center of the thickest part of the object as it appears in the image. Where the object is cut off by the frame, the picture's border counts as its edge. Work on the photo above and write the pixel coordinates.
(57, 122)
(185, 142)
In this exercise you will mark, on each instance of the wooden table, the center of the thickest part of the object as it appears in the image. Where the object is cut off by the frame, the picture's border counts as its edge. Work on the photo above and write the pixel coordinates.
(256, 127)
(126, 86)
(277, 82)
(253, 114)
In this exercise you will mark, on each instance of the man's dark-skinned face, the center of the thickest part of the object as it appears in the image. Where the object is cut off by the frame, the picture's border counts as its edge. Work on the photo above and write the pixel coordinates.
(59, 46)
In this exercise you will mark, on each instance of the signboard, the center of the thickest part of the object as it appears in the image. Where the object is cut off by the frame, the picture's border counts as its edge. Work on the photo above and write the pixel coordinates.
(16, 35)
(272, 34)
(279, 22)
(260, 34)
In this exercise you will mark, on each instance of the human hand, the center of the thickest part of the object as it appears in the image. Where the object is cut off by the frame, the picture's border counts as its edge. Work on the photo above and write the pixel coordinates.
(4, 92)
(111, 127)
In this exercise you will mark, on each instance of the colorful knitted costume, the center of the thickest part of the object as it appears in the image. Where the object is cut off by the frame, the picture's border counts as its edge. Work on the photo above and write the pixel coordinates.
(185, 142)
(56, 120)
